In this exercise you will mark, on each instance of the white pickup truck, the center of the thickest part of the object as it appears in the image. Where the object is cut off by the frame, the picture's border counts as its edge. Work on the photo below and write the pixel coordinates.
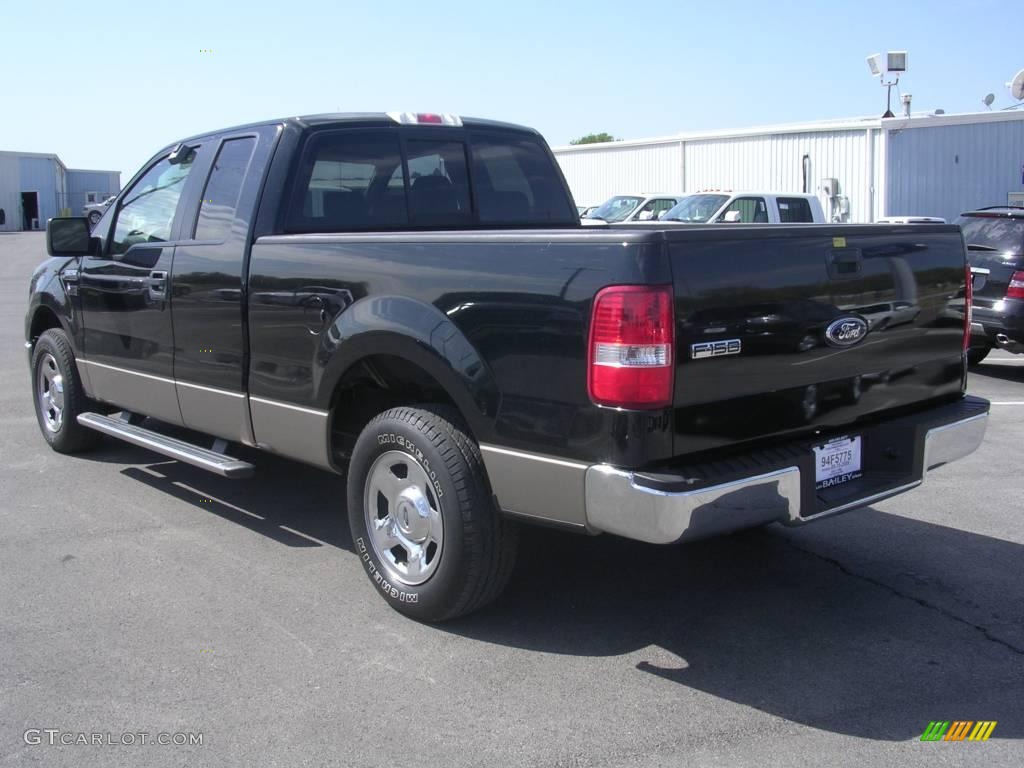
(746, 208)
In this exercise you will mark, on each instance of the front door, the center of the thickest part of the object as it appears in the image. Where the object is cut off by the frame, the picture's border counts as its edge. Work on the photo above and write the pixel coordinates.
(128, 336)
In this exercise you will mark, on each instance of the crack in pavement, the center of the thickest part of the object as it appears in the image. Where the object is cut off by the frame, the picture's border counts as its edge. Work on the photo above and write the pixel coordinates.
(985, 631)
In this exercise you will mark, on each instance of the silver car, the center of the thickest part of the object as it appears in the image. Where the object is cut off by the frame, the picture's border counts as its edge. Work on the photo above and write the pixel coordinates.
(94, 211)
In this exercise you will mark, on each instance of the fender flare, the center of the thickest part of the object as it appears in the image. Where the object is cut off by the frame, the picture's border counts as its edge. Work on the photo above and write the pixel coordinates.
(419, 333)
(45, 298)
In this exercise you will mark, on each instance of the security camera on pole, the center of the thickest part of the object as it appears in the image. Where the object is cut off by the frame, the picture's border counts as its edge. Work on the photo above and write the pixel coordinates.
(896, 63)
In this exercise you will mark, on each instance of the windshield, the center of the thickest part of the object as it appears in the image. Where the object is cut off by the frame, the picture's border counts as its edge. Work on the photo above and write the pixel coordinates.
(696, 209)
(999, 233)
(616, 209)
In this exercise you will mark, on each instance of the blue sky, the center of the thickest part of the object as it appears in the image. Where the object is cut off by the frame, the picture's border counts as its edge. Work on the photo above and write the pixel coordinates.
(105, 84)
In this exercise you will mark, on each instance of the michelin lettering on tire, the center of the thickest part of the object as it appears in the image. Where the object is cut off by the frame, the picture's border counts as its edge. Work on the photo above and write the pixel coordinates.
(390, 437)
(380, 580)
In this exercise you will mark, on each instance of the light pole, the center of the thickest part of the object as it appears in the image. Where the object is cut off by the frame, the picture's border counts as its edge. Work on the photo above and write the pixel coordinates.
(896, 63)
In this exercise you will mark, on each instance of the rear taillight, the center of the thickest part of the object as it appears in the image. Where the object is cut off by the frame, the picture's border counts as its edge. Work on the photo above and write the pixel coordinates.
(968, 305)
(1016, 288)
(630, 351)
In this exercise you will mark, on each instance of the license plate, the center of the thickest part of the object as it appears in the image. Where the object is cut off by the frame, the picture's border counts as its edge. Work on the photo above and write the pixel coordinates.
(837, 461)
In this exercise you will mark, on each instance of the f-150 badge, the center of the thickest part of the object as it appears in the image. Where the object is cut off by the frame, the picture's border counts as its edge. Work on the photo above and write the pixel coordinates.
(715, 348)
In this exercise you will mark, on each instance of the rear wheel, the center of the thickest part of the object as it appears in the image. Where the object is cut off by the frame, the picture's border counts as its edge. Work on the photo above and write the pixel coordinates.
(58, 394)
(423, 519)
(977, 354)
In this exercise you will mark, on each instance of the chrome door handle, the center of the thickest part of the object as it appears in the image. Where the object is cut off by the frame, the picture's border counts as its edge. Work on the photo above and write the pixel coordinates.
(158, 285)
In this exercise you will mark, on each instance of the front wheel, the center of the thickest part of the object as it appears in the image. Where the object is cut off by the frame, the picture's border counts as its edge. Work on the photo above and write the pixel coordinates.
(58, 394)
(422, 516)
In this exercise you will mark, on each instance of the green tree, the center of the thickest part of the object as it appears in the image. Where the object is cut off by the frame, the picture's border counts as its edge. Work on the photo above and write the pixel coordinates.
(594, 138)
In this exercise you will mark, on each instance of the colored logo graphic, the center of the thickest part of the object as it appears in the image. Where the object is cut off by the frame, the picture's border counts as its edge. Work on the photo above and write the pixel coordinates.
(958, 730)
(846, 331)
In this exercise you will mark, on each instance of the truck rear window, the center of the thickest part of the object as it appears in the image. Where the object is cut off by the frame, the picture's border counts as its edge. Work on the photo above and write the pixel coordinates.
(366, 180)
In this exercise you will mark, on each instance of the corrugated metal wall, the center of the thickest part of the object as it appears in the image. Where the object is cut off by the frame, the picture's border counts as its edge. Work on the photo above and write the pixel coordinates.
(768, 163)
(595, 174)
(774, 163)
(80, 182)
(39, 174)
(10, 197)
(944, 170)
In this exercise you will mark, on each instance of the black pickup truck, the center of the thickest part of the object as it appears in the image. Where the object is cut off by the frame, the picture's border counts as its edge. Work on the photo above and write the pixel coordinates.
(409, 300)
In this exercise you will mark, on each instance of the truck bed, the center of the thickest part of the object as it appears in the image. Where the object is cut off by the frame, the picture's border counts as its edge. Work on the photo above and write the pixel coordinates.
(522, 300)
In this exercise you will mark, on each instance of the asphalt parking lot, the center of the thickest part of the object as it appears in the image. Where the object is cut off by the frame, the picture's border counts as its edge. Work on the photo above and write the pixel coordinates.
(142, 595)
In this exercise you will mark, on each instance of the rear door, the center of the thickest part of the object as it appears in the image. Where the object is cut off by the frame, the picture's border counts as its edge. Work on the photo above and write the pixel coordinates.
(128, 338)
(208, 294)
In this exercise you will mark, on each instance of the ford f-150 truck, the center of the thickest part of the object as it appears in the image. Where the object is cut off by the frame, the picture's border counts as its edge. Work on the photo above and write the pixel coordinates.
(409, 300)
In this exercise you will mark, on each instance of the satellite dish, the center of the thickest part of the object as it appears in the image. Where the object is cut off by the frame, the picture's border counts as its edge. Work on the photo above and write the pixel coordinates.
(1017, 86)
(987, 101)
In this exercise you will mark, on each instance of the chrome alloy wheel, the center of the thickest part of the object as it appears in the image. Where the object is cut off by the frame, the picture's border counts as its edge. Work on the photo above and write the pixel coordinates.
(50, 386)
(403, 518)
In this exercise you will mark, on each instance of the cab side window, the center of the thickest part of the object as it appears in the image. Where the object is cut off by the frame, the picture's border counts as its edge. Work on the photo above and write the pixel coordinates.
(217, 211)
(795, 210)
(146, 214)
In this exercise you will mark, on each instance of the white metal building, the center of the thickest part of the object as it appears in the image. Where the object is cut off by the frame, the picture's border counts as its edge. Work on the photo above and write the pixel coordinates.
(935, 165)
(36, 186)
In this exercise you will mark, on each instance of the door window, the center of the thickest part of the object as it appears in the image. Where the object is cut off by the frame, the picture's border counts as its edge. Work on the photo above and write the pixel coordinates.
(147, 213)
(752, 210)
(655, 208)
(217, 210)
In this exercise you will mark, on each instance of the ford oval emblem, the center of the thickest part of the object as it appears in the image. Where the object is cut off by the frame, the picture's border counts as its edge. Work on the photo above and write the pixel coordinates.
(846, 331)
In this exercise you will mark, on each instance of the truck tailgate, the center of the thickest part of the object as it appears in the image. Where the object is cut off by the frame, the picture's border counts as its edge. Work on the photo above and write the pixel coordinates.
(789, 330)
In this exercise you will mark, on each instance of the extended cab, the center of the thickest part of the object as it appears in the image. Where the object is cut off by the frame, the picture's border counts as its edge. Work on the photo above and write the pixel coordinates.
(410, 301)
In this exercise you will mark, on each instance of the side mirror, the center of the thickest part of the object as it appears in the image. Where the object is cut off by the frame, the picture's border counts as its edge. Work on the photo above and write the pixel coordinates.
(731, 217)
(645, 216)
(68, 236)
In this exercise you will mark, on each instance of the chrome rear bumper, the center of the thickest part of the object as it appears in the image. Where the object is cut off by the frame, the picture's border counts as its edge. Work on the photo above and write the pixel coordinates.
(616, 503)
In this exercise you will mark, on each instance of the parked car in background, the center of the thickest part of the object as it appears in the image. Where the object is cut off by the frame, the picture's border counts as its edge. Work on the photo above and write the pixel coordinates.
(995, 250)
(625, 208)
(747, 208)
(94, 211)
(911, 220)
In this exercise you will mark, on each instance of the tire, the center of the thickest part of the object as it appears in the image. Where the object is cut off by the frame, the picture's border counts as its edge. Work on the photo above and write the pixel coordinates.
(416, 478)
(94, 218)
(977, 354)
(58, 395)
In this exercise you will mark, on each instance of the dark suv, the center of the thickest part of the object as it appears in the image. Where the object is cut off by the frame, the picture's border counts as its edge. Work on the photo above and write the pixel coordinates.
(995, 249)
